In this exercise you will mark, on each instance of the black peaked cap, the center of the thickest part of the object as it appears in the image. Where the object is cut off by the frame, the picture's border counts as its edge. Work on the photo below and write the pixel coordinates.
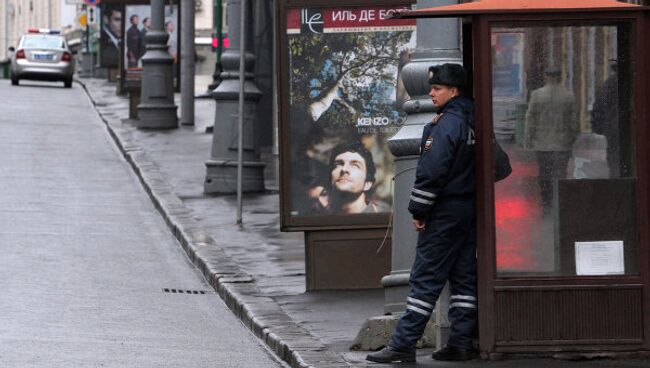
(448, 74)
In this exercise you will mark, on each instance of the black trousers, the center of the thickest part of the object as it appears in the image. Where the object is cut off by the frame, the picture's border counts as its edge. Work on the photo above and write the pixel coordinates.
(446, 251)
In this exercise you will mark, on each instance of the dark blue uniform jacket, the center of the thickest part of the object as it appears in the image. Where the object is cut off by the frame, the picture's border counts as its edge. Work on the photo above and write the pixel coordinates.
(446, 165)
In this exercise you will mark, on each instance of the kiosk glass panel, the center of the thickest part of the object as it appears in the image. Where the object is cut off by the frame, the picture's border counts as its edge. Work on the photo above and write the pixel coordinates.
(562, 110)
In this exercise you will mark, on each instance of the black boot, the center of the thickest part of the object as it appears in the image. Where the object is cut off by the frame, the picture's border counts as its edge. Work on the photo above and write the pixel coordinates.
(452, 353)
(390, 355)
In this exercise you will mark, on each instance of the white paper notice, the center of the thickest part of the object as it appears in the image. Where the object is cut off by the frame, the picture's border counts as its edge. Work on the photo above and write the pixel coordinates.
(600, 258)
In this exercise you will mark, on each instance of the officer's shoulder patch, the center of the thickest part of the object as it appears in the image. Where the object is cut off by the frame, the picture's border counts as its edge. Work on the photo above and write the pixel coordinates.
(436, 119)
(428, 143)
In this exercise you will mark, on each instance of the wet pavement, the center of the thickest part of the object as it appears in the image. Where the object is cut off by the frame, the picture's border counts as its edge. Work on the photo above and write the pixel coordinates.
(90, 274)
(314, 328)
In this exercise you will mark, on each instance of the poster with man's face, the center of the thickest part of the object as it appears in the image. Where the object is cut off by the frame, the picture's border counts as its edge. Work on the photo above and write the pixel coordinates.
(110, 34)
(138, 23)
(345, 98)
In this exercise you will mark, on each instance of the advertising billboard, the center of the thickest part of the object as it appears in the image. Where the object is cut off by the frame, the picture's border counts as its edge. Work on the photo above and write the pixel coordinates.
(111, 30)
(138, 23)
(342, 103)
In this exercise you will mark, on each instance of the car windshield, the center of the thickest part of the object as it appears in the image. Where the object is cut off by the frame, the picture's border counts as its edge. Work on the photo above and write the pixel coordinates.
(43, 42)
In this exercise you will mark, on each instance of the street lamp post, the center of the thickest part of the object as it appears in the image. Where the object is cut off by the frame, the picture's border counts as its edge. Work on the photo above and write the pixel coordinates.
(187, 63)
(218, 34)
(157, 109)
(222, 167)
(437, 43)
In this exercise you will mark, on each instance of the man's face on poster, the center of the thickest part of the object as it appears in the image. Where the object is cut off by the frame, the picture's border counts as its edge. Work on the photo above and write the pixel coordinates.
(114, 22)
(349, 174)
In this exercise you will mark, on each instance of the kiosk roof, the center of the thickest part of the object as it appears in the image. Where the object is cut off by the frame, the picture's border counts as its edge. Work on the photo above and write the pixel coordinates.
(518, 6)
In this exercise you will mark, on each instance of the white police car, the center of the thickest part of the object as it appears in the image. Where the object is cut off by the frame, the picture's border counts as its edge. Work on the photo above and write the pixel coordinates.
(42, 54)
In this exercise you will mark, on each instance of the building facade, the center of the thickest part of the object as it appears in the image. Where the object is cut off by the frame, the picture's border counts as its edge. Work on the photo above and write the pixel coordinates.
(19, 15)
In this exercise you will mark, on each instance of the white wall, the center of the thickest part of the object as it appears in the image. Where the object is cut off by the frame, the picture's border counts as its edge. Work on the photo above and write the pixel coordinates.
(203, 16)
(68, 15)
(16, 16)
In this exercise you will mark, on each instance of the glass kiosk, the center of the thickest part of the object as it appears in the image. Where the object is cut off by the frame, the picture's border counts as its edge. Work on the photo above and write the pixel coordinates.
(563, 241)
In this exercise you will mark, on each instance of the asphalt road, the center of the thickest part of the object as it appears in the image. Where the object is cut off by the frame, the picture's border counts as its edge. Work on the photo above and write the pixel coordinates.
(84, 257)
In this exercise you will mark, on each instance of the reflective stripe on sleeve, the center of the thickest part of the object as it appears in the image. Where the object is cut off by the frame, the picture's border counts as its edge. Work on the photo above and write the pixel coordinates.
(423, 193)
(420, 200)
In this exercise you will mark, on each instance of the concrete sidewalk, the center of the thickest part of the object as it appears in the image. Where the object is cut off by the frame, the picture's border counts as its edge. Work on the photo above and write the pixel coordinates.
(258, 270)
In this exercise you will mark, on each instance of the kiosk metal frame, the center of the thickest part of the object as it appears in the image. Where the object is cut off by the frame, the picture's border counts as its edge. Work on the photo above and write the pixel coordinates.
(563, 313)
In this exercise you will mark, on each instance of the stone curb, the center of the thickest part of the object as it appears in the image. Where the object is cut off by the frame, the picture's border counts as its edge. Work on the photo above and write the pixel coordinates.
(261, 314)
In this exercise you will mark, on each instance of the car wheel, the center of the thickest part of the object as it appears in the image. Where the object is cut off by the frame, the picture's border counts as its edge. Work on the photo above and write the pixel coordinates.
(14, 81)
(67, 83)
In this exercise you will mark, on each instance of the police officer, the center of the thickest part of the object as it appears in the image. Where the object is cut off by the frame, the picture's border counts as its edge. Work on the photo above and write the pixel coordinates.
(442, 203)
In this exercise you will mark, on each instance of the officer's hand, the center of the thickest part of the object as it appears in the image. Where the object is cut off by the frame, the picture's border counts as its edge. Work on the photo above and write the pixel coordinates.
(418, 224)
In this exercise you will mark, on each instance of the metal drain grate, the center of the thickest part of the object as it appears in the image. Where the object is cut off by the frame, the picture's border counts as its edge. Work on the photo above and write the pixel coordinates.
(182, 291)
